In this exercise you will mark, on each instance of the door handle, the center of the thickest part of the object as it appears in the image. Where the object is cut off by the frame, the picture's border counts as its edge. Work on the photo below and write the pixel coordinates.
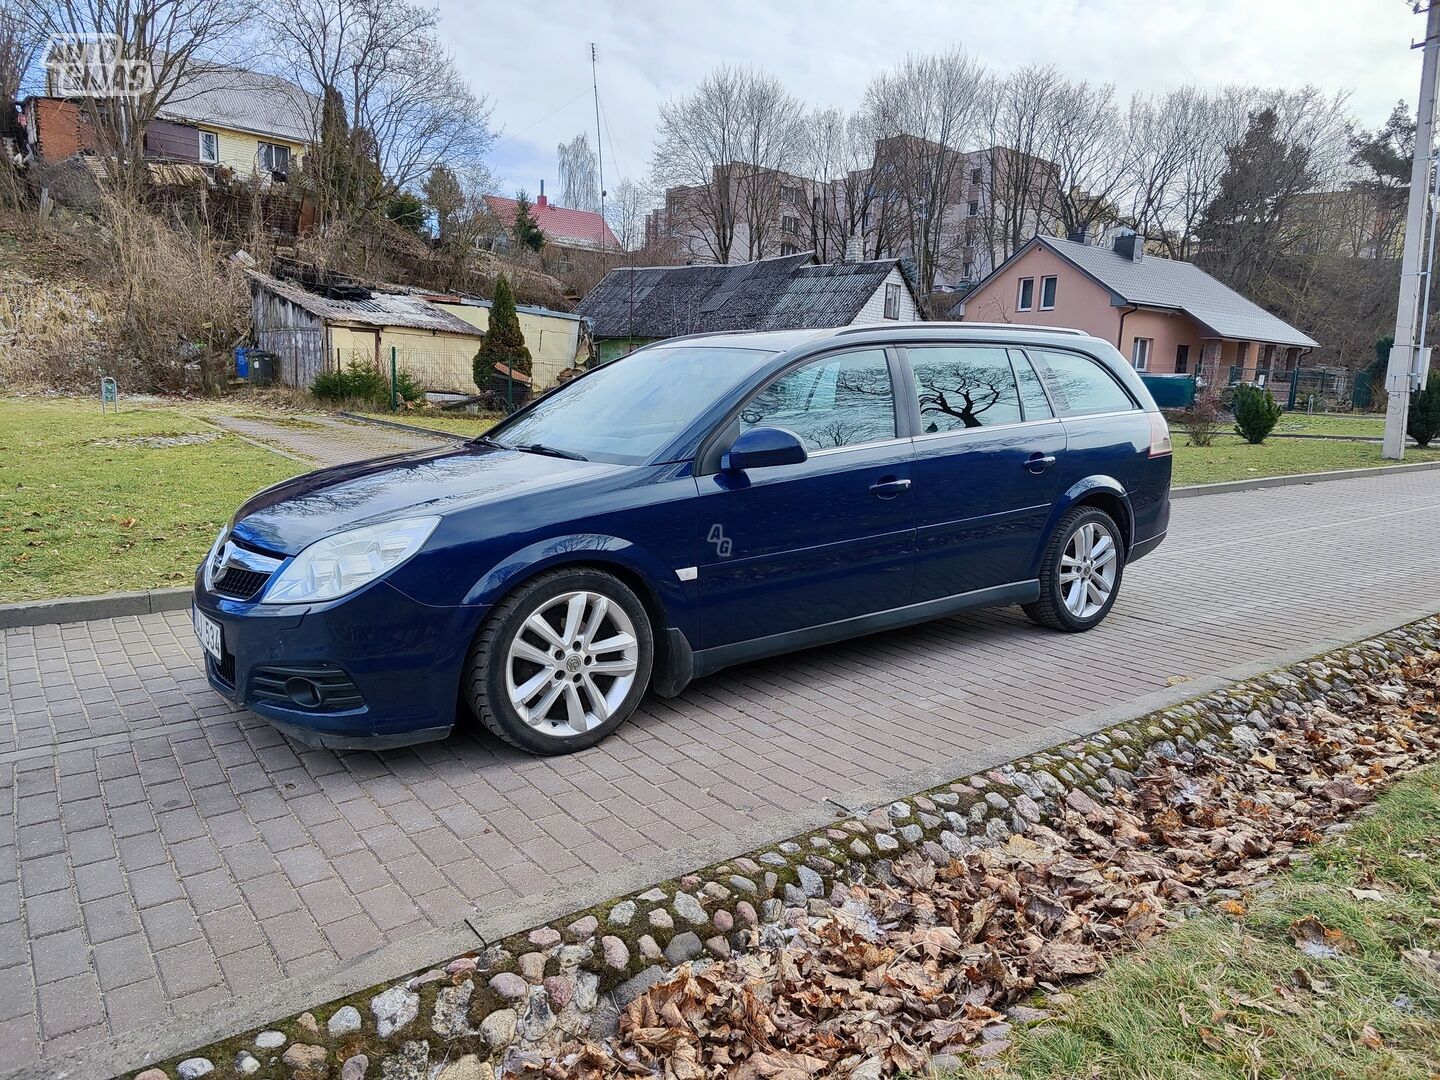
(1038, 463)
(888, 489)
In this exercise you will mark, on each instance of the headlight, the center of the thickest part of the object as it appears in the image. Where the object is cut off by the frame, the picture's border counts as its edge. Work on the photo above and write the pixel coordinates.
(212, 554)
(344, 562)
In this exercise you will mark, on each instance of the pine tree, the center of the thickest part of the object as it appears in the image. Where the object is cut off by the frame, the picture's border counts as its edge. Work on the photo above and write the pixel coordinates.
(527, 231)
(504, 342)
(1424, 424)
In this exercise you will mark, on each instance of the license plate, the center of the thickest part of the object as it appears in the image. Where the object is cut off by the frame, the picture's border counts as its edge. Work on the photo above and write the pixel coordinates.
(208, 632)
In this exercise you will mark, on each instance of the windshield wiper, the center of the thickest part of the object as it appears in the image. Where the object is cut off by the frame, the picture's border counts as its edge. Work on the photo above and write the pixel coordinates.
(552, 451)
(486, 440)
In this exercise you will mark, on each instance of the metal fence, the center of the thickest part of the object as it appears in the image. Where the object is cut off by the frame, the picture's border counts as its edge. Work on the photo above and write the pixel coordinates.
(1305, 389)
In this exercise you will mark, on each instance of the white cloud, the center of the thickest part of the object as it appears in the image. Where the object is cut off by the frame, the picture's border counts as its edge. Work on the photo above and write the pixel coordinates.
(533, 61)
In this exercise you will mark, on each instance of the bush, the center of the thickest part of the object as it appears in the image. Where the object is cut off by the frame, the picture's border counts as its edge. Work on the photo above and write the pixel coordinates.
(355, 382)
(1424, 422)
(1256, 412)
(1200, 422)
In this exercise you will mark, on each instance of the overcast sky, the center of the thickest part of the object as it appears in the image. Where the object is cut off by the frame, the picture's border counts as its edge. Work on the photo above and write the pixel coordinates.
(532, 60)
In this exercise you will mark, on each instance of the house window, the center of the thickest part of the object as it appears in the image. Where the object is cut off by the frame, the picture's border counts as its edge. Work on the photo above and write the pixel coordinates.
(1140, 353)
(791, 195)
(1182, 359)
(789, 249)
(969, 269)
(790, 224)
(209, 148)
(1047, 294)
(973, 209)
(273, 158)
(974, 176)
(1026, 300)
(892, 301)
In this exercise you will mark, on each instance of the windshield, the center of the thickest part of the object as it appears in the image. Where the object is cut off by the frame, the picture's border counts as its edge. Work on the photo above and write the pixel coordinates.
(631, 407)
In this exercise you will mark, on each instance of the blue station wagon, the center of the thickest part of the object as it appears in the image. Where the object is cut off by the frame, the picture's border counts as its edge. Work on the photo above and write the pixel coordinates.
(701, 502)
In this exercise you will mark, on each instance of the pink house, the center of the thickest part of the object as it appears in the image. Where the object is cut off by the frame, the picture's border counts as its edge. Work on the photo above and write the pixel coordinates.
(1164, 316)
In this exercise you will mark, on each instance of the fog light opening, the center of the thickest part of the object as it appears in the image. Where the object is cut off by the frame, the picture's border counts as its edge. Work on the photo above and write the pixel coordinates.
(302, 692)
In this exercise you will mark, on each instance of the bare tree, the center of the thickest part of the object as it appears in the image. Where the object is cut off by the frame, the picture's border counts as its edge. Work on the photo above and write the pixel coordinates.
(393, 94)
(1018, 181)
(924, 112)
(717, 155)
(625, 213)
(19, 49)
(176, 42)
(579, 172)
(1090, 148)
(838, 153)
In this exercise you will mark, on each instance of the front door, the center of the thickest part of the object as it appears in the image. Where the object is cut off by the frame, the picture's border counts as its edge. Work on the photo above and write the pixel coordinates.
(830, 538)
(986, 466)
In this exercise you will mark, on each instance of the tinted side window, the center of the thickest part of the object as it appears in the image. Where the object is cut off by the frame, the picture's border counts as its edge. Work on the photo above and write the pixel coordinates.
(1080, 385)
(1032, 394)
(838, 401)
(964, 386)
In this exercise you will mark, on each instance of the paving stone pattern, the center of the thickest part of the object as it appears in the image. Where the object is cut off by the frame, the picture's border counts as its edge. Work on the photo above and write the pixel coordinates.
(327, 440)
(161, 851)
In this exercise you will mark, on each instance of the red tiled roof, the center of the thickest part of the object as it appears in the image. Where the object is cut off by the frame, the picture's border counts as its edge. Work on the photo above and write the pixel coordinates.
(583, 228)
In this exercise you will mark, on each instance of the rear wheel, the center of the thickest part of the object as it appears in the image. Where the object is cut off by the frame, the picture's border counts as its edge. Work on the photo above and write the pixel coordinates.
(1081, 571)
(561, 662)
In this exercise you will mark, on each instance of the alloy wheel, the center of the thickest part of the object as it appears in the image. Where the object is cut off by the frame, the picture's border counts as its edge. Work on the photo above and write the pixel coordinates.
(1087, 570)
(571, 663)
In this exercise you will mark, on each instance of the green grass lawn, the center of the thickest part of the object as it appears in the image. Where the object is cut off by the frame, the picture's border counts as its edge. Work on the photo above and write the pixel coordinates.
(1298, 423)
(1220, 997)
(1234, 459)
(457, 423)
(92, 504)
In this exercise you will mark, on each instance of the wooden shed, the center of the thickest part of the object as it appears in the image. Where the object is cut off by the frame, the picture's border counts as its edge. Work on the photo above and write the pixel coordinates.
(323, 329)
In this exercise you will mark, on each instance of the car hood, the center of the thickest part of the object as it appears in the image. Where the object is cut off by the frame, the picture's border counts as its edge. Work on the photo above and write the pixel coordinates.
(290, 516)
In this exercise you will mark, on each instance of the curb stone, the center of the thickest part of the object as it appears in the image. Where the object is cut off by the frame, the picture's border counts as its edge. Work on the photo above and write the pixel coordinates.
(1190, 491)
(560, 986)
(70, 609)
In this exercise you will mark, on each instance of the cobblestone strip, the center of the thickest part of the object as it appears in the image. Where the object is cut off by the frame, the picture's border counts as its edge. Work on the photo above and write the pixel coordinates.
(502, 1008)
(328, 441)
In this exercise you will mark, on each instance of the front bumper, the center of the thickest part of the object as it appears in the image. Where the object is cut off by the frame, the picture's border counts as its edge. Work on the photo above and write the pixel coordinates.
(399, 659)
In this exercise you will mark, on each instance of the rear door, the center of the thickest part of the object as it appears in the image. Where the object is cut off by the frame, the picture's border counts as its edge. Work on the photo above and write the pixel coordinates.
(987, 466)
(830, 538)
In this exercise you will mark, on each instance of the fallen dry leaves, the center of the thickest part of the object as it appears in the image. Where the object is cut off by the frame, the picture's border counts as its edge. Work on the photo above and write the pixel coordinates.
(890, 972)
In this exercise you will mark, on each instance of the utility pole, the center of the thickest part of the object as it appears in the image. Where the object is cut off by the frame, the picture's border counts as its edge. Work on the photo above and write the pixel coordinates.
(599, 148)
(1408, 364)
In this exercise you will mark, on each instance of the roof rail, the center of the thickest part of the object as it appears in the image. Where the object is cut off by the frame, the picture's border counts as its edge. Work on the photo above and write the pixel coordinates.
(936, 324)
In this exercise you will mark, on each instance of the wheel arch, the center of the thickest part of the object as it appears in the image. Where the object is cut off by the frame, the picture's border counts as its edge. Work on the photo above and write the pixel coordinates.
(1102, 492)
(631, 565)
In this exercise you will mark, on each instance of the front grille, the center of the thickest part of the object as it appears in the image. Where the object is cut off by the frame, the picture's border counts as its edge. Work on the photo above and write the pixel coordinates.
(224, 668)
(238, 583)
(332, 689)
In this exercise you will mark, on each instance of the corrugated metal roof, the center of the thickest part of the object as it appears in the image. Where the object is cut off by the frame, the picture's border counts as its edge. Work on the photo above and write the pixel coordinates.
(244, 101)
(791, 292)
(382, 309)
(1167, 283)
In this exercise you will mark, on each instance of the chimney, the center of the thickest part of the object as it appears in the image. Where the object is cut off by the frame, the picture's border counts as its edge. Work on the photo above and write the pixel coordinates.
(1130, 246)
(1078, 236)
(852, 249)
(540, 199)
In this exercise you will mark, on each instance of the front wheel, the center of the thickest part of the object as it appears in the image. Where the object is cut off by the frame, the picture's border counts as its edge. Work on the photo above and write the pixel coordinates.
(1080, 572)
(561, 662)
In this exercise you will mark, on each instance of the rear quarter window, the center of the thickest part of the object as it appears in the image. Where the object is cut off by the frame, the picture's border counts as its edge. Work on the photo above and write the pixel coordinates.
(1080, 386)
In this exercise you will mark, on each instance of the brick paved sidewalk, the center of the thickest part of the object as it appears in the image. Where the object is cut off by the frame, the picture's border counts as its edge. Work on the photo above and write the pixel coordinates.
(327, 440)
(161, 851)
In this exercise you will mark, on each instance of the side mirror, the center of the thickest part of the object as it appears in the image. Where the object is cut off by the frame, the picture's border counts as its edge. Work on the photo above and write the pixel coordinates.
(762, 447)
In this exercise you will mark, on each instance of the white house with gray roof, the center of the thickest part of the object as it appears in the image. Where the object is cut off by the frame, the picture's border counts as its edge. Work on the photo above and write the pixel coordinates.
(1164, 315)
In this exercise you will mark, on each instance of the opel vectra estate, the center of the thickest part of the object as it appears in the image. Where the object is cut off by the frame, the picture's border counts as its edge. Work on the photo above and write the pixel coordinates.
(701, 502)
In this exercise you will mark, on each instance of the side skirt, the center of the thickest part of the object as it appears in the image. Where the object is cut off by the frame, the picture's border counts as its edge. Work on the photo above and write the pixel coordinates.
(709, 661)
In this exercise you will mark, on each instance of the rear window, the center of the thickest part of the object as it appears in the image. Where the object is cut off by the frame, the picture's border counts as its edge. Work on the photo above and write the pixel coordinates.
(1080, 386)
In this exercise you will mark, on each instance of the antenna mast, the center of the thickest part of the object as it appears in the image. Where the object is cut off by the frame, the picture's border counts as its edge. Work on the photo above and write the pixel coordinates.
(599, 148)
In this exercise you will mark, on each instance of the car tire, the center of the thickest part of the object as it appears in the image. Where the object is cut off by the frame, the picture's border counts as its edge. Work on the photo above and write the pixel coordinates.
(550, 692)
(1075, 572)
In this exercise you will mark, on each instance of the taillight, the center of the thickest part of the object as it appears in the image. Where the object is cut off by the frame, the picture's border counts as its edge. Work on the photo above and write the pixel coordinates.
(1159, 435)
